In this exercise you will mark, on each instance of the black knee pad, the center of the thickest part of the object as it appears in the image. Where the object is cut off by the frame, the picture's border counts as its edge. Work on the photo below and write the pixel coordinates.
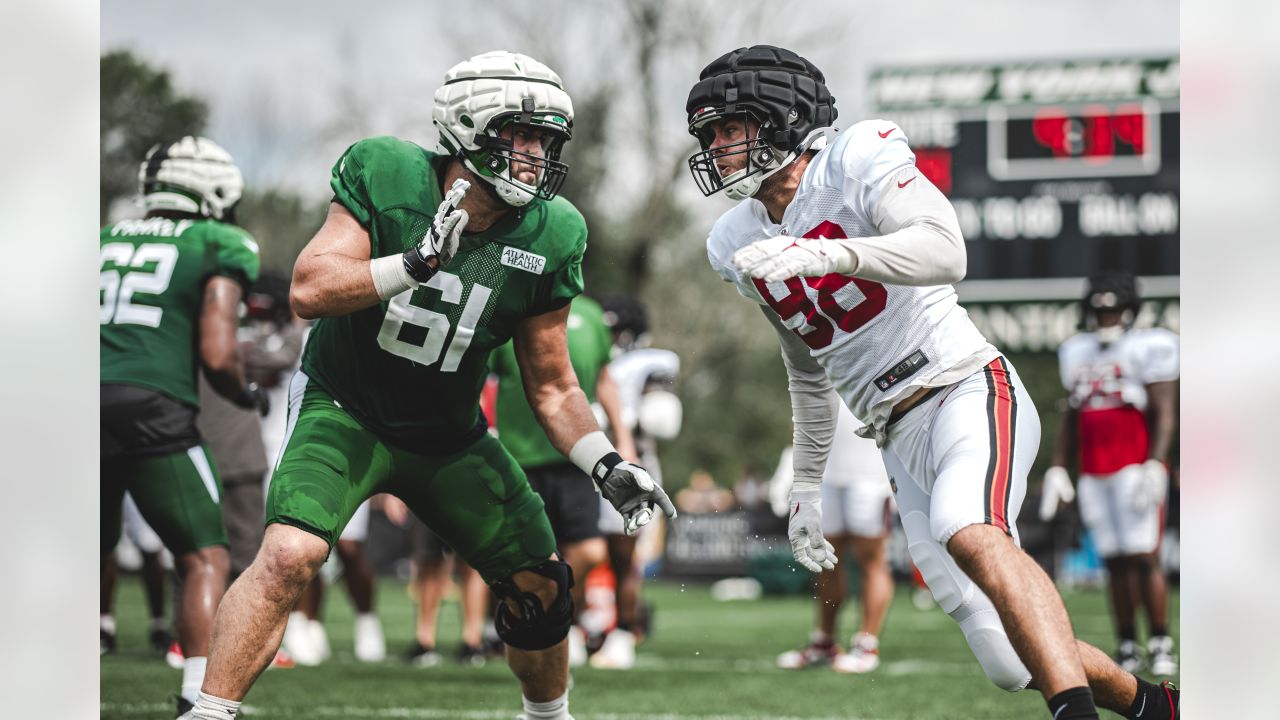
(534, 628)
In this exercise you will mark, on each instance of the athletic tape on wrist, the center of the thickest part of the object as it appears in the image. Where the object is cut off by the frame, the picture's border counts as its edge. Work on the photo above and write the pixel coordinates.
(594, 455)
(389, 276)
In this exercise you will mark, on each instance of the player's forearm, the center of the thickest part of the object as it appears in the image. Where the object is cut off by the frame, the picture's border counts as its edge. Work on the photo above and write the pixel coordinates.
(564, 414)
(813, 409)
(1162, 429)
(1163, 418)
(331, 284)
(219, 347)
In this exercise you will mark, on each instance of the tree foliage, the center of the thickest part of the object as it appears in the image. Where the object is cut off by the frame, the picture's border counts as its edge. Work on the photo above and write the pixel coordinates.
(140, 107)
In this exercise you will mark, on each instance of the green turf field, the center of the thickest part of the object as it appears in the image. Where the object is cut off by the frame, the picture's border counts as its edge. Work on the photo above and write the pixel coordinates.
(707, 660)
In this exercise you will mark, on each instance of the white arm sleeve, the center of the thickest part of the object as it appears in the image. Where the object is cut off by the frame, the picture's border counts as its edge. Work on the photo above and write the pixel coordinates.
(813, 408)
(920, 242)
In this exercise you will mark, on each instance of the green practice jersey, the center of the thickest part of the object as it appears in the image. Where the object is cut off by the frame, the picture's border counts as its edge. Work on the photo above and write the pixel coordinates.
(411, 369)
(589, 346)
(152, 274)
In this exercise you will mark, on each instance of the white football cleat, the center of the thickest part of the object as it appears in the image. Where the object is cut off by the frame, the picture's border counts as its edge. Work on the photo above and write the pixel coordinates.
(1127, 656)
(298, 641)
(577, 646)
(320, 638)
(820, 651)
(863, 655)
(371, 645)
(1160, 656)
(618, 651)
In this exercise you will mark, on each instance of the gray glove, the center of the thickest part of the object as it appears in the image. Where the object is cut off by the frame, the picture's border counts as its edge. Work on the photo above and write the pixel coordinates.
(805, 532)
(632, 492)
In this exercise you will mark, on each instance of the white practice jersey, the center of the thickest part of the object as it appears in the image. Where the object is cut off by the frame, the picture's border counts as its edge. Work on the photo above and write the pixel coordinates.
(1107, 384)
(878, 343)
(1099, 377)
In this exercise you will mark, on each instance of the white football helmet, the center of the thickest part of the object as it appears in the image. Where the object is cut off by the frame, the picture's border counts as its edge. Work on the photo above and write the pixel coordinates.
(193, 175)
(482, 95)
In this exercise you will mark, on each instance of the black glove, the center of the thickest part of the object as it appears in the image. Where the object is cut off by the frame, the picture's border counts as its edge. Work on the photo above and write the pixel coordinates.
(252, 397)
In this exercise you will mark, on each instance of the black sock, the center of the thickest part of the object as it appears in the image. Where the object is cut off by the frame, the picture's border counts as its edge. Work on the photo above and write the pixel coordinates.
(1073, 704)
(1159, 631)
(1128, 633)
(1151, 703)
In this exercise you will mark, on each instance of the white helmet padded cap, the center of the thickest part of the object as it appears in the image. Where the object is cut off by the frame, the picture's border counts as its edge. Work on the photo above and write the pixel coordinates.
(193, 175)
(483, 94)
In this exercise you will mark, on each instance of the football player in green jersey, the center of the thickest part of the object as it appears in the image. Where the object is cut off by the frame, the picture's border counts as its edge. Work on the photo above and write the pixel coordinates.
(408, 308)
(170, 287)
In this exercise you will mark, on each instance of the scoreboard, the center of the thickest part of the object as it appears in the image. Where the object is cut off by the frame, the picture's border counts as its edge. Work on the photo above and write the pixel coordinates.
(1057, 169)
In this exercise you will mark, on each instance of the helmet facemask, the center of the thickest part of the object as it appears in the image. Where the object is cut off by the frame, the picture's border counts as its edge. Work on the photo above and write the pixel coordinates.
(497, 155)
(762, 159)
(488, 94)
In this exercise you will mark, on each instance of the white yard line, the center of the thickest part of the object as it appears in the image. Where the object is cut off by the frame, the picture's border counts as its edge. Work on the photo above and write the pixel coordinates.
(348, 711)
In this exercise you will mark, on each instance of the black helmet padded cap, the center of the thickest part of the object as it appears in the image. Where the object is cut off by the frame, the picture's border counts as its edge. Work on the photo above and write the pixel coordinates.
(787, 94)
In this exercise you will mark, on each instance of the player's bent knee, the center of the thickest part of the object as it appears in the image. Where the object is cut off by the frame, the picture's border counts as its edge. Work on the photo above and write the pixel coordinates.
(291, 555)
(534, 627)
(948, 584)
(990, 644)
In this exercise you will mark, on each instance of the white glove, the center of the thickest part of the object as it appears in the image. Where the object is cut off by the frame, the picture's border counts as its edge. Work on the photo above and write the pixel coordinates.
(784, 257)
(805, 532)
(1057, 488)
(1153, 487)
(441, 240)
(633, 493)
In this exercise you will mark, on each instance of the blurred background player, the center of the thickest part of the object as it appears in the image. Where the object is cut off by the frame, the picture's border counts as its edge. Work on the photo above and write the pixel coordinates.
(645, 378)
(237, 438)
(1121, 413)
(572, 503)
(856, 500)
(171, 285)
(151, 562)
(434, 566)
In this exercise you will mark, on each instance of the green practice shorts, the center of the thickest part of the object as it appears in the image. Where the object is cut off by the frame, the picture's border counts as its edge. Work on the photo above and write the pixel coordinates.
(178, 494)
(477, 500)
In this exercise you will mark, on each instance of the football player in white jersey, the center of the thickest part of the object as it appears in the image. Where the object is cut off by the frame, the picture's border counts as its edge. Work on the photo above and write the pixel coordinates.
(1122, 390)
(851, 253)
(855, 519)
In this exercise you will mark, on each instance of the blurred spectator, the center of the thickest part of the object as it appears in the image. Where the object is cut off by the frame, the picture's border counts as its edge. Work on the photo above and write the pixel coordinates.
(703, 495)
(436, 563)
(151, 550)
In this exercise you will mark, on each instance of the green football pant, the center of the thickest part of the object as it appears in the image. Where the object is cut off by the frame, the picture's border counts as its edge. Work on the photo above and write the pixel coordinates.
(179, 495)
(477, 500)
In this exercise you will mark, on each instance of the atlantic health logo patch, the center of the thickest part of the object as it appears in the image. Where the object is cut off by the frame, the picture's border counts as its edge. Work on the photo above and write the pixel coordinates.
(523, 260)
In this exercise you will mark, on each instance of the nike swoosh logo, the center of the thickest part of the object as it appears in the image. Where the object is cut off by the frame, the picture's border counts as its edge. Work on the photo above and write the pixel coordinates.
(1055, 715)
(908, 182)
(885, 134)
(1143, 707)
(793, 513)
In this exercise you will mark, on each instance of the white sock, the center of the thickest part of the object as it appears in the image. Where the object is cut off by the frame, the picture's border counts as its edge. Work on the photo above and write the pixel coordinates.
(107, 623)
(209, 707)
(557, 709)
(193, 677)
